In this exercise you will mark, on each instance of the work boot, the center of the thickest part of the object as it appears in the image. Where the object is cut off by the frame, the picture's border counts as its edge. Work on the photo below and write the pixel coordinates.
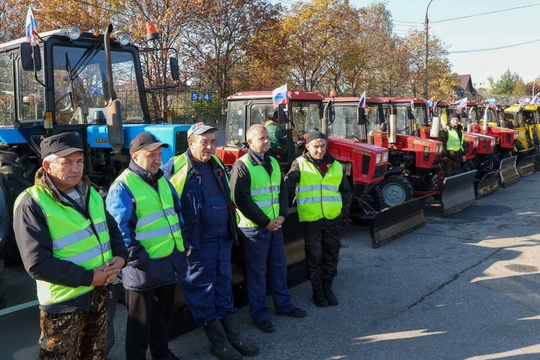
(231, 325)
(318, 296)
(220, 345)
(329, 294)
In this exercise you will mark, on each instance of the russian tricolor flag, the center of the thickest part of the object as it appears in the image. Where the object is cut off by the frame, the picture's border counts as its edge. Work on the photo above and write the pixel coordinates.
(461, 103)
(31, 29)
(362, 102)
(280, 96)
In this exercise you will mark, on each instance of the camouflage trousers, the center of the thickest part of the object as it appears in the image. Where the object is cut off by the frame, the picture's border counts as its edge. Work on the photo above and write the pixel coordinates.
(450, 166)
(78, 334)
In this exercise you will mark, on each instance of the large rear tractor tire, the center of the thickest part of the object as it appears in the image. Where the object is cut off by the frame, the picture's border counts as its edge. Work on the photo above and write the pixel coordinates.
(16, 174)
(396, 190)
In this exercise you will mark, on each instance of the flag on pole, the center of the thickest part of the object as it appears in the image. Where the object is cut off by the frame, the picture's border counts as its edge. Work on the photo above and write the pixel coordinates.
(280, 96)
(491, 102)
(461, 103)
(362, 102)
(31, 29)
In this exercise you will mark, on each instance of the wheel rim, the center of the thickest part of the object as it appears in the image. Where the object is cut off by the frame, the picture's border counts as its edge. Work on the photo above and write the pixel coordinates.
(394, 194)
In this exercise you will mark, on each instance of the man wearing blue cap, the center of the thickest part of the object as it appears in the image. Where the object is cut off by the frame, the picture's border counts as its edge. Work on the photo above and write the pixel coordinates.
(209, 231)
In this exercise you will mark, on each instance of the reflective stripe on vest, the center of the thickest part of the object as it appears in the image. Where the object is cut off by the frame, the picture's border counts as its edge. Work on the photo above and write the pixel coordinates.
(454, 142)
(73, 239)
(318, 196)
(264, 189)
(158, 226)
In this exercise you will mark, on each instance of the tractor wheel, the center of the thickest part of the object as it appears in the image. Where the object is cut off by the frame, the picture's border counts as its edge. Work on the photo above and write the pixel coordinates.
(3, 301)
(396, 190)
(377, 199)
(16, 174)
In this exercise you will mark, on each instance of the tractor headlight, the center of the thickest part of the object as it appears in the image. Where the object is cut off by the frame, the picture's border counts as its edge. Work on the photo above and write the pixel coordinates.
(476, 142)
(378, 158)
(124, 39)
(385, 156)
(492, 143)
(73, 33)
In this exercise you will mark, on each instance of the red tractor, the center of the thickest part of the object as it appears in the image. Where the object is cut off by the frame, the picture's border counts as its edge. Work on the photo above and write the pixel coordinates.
(503, 155)
(364, 164)
(413, 161)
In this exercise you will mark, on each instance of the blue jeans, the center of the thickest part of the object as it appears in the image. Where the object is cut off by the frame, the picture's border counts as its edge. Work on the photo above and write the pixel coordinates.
(264, 253)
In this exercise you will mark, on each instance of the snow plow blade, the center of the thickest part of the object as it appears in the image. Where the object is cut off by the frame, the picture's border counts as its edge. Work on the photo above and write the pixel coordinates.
(396, 221)
(486, 184)
(457, 192)
(509, 174)
(526, 164)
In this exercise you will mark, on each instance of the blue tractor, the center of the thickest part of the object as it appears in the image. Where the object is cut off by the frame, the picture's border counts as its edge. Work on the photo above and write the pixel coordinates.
(85, 83)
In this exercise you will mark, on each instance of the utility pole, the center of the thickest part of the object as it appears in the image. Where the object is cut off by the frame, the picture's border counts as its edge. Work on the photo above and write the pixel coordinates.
(426, 27)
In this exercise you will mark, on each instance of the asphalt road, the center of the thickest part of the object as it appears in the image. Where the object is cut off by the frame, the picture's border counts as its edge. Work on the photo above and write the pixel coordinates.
(462, 287)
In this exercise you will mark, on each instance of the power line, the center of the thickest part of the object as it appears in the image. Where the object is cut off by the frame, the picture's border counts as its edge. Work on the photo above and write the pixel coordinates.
(486, 13)
(494, 48)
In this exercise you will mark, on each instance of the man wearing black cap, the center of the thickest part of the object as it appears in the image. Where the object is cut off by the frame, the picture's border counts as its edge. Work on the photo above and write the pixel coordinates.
(453, 155)
(256, 183)
(73, 248)
(147, 210)
(323, 197)
(210, 228)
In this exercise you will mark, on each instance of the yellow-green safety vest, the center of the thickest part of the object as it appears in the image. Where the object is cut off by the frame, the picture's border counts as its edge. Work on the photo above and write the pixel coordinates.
(158, 226)
(454, 142)
(73, 239)
(264, 189)
(318, 196)
(181, 168)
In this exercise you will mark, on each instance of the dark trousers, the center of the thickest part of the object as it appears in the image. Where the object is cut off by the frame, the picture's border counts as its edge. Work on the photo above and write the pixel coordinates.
(207, 281)
(264, 251)
(322, 244)
(149, 317)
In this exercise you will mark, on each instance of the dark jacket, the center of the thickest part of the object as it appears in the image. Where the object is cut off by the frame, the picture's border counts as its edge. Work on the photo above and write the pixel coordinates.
(293, 178)
(241, 185)
(35, 244)
(191, 199)
(141, 272)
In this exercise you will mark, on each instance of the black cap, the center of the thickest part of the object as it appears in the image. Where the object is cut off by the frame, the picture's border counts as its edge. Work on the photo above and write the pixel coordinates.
(145, 141)
(60, 145)
(314, 134)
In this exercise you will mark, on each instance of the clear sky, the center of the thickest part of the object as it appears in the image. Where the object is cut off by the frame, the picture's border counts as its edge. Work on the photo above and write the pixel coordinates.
(499, 27)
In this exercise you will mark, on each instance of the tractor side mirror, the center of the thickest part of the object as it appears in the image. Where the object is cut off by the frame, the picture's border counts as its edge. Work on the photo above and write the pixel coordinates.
(175, 71)
(30, 57)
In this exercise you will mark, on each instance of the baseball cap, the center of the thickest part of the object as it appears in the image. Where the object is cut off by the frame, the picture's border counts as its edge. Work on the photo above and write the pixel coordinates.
(145, 141)
(63, 144)
(199, 128)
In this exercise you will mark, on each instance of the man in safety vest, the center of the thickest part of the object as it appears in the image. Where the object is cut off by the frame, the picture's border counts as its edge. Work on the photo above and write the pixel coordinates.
(323, 197)
(209, 215)
(147, 209)
(73, 249)
(452, 138)
(256, 183)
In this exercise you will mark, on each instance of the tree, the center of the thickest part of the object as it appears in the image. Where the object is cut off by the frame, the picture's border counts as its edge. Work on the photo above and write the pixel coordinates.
(505, 85)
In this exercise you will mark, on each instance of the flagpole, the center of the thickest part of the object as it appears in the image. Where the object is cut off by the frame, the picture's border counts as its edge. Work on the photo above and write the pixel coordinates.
(426, 27)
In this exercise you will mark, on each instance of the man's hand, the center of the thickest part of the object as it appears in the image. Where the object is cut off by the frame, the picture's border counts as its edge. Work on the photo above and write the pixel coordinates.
(106, 274)
(275, 224)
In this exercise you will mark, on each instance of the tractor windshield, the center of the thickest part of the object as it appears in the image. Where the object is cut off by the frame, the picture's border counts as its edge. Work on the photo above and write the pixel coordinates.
(345, 124)
(81, 84)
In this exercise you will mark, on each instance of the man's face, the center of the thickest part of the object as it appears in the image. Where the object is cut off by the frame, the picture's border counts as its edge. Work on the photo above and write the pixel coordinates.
(148, 160)
(65, 172)
(201, 146)
(259, 141)
(317, 148)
